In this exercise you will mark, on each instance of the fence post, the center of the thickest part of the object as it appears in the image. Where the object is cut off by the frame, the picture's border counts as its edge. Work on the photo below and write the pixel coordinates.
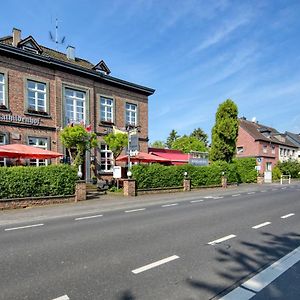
(80, 191)
(129, 187)
(281, 179)
(224, 182)
(187, 185)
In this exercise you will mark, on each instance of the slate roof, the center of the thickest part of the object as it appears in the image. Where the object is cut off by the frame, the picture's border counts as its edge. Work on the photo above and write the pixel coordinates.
(256, 130)
(293, 137)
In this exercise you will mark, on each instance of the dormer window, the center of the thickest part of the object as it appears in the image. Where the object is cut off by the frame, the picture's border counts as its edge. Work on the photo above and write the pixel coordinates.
(102, 68)
(30, 49)
(29, 44)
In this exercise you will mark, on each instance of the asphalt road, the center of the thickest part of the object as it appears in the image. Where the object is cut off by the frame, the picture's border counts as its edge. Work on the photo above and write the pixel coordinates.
(186, 247)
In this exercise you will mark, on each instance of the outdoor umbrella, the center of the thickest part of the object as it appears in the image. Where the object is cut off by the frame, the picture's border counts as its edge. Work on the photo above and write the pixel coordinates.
(143, 157)
(24, 151)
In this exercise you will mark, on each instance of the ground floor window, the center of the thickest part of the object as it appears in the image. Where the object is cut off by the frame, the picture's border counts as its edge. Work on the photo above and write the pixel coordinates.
(268, 166)
(3, 141)
(39, 143)
(106, 162)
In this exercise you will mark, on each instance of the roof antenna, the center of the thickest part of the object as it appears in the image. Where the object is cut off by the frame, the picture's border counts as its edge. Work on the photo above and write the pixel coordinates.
(55, 38)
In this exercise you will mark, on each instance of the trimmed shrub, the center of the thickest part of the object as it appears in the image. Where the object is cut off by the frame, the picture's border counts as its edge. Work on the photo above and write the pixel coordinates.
(53, 180)
(290, 167)
(246, 169)
(276, 173)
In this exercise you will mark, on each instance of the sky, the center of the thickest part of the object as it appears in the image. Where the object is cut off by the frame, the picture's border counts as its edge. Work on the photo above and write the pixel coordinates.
(194, 53)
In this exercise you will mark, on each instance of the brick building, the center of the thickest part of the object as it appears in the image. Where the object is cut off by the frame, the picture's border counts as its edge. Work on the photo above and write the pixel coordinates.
(43, 90)
(264, 143)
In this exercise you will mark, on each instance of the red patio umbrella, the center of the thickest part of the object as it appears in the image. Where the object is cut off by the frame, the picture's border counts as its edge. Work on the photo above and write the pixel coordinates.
(24, 151)
(143, 157)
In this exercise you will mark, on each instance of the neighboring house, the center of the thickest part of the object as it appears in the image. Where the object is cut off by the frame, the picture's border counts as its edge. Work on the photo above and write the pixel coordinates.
(295, 139)
(43, 90)
(264, 143)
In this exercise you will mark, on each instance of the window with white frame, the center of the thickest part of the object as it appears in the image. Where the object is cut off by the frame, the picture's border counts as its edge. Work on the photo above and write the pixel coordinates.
(106, 159)
(273, 149)
(131, 114)
(3, 141)
(74, 106)
(106, 109)
(2, 89)
(39, 143)
(36, 96)
(240, 150)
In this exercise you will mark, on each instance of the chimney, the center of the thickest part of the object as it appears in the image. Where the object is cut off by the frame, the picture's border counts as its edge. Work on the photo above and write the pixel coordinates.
(71, 52)
(16, 33)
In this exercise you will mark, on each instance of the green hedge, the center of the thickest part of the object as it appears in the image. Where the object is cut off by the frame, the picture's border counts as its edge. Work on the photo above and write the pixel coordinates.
(290, 167)
(159, 176)
(54, 180)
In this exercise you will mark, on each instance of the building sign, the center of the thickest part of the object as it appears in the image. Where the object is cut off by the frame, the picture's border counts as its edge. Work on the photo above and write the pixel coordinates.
(133, 142)
(20, 119)
(198, 158)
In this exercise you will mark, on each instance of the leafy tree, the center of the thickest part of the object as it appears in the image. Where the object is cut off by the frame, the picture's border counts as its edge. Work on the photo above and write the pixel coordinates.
(173, 136)
(225, 132)
(77, 140)
(158, 144)
(200, 135)
(290, 167)
(116, 143)
(188, 144)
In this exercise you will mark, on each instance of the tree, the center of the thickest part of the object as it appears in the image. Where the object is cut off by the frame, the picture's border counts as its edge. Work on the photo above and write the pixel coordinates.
(200, 135)
(116, 142)
(225, 132)
(77, 140)
(158, 144)
(173, 136)
(188, 144)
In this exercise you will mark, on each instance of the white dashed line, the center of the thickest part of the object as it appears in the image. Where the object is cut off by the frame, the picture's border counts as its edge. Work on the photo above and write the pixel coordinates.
(218, 197)
(64, 297)
(263, 191)
(225, 238)
(154, 264)
(261, 225)
(196, 201)
(236, 195)
(287, 216)
(250, 193)
(283, 188)
(88, 217)
(134, 210)
(168, 205)
(208, 197)
(23, 227)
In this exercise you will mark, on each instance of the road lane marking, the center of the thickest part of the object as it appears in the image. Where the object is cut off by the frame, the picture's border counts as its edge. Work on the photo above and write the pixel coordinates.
(64, 297)
(154, 264)
(263, 191)
(225, 238)
(236, 195)
(250, 193)
(218, 197)
(261, 225)
(208, 197)
(195, 201)
(134, 210)
(238, 294)
(283, 188)
(167, 205)
(287, 216)
(23, 227)
(88, 217)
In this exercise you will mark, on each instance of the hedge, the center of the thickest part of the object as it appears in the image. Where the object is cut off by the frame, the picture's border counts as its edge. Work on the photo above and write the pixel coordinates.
(159, 176)
(53, 180)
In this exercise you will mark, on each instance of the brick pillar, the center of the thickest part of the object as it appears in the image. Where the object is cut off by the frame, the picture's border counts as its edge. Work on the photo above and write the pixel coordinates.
(129, 186)
(224, 182)
(260, 179)
(80, 191)
(187, 185)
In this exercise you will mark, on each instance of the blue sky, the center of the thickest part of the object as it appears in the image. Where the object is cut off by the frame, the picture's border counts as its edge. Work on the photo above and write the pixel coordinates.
(195, 53)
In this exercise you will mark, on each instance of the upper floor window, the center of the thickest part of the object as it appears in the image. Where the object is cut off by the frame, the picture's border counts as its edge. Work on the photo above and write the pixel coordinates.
(131, 114)
(2, 90)
(265, 149)
(273, 149)
(39, 143)
(3, 141)
(36, 96)
(106, 109)
(75, 106)
(106, 159)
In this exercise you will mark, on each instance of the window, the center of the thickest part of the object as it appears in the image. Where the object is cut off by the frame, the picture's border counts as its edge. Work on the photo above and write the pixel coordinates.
(3, 141)
(240, 150)
(75, 106)
(36, 97)
(2, 90)
(131, 114)
(268, 166)
(106, 159)
(273, 149)
(106, 109)
(264, 149)
(39, 143)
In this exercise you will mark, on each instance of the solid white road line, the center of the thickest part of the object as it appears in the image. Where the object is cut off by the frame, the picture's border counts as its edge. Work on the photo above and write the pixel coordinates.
(155, 264)
(264, 278)
(235, 195)
(250, 193)
(225, 238)
(23, 227)
(261, 225)
(64, 297)
(134, 210)
(88, 217)
(195, 201)
(287, 216)
(167, 205)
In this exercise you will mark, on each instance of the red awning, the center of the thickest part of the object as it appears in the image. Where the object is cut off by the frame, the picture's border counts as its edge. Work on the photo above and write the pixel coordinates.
(174, 158)
(143, 157)
(24, 151)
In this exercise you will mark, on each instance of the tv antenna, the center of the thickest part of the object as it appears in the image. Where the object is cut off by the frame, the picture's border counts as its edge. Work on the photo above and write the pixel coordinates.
(55, 38)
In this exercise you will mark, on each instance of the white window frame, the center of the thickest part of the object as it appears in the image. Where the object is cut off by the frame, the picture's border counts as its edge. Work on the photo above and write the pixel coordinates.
(131, 113)
(37, 92)
(3, 160)
(75, 99)
(108, 156)
(38, 162)
(273, 149)
(104, 107)
(3, 89)
(240, 150)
